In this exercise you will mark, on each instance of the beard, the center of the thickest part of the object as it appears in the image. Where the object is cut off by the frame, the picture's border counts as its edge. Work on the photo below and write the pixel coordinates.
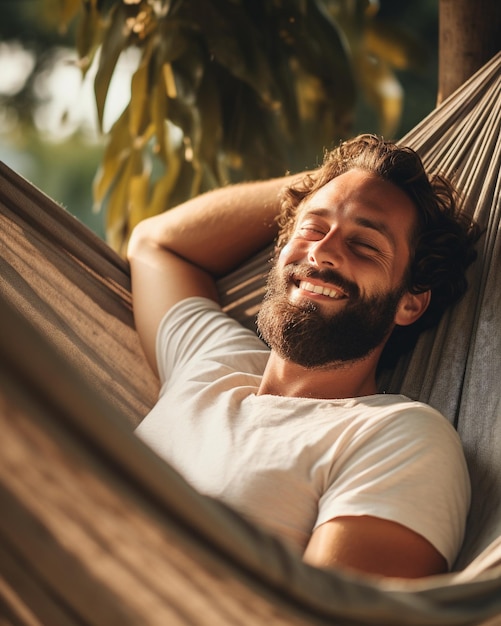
(304, 334)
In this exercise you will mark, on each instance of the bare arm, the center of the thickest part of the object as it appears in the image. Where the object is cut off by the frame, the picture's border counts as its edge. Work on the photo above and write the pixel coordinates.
(181, 252)
(374, 546)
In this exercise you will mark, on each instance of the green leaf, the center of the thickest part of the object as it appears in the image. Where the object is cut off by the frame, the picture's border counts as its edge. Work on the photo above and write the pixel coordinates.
(159, 109)
(114, 41)
(211, 130)
(140, 96)
(322, 52)
(117, 215)
(165, 186)
(116, 152)
(87, 36)
(67, 9)
(139, 185)
(255, 136)
(233, 41)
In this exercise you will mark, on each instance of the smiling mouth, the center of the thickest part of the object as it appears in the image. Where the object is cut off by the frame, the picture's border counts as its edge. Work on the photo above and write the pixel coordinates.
(330, 292)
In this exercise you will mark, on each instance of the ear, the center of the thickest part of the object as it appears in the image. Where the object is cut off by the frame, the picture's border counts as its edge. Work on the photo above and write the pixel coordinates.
(411, 307)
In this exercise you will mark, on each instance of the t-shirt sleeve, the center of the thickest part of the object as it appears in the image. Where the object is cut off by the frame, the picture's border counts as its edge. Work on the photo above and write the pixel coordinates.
(410, 470)
(197, 328)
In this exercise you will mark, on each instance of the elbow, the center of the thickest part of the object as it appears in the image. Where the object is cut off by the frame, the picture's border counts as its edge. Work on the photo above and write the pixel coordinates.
(141, 240)
(136, 239)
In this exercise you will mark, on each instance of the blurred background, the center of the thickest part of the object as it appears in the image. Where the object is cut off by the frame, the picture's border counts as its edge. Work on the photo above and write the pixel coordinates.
(272, 74)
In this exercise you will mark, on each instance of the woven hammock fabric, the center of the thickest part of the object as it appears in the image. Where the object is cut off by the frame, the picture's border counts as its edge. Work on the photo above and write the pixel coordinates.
(96, 530)
(76, 291)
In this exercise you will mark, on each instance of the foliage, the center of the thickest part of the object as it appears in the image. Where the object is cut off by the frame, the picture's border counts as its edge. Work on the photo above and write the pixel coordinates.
(228, 90)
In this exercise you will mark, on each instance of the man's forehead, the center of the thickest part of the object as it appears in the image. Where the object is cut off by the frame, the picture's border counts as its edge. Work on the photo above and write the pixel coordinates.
(361, 191)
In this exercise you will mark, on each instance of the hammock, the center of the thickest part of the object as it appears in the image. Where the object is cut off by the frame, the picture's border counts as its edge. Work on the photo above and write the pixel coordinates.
(96, 530)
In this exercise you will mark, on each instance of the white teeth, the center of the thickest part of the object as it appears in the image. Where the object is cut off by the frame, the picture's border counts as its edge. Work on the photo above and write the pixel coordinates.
(325, 291)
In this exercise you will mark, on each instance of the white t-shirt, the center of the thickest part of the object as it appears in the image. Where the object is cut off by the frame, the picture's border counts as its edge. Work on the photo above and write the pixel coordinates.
(291, 464)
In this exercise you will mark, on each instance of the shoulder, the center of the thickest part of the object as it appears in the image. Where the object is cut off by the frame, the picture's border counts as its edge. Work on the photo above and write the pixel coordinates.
(201, 321)
(405, 463)
(419, 436)
(408, 446)
(197, 328)
(399, 414)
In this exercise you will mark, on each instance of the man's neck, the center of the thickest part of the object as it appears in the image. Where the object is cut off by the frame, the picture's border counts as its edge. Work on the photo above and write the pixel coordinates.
(346, 380)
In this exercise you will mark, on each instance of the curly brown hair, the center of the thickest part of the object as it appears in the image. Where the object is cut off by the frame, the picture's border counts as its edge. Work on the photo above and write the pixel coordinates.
(443, 244)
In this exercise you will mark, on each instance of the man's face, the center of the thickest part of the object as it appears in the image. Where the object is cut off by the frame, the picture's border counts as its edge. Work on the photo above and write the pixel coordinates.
(335, 289)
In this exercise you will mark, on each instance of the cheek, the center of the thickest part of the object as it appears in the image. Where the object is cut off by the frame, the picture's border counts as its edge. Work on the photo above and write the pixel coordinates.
(292, 252)
(285, 251)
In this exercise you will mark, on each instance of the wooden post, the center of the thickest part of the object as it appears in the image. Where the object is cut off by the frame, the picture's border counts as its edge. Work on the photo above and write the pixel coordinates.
(469, 35)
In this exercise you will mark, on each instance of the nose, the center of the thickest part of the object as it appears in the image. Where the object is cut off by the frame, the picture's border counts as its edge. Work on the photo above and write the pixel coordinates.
(327, 252)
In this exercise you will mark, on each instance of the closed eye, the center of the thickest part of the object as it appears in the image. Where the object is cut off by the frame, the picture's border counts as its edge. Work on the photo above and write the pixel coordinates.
(365, 247)
(311, 232)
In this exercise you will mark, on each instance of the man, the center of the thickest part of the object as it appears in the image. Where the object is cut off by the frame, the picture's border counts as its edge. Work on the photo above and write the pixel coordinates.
(297, 438)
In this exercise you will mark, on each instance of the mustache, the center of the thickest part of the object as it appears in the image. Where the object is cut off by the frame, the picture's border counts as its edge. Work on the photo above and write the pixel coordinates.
(327, 275)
